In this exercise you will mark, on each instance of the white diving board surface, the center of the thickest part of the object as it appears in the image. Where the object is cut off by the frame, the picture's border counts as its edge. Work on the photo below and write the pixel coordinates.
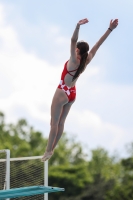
(28, 191)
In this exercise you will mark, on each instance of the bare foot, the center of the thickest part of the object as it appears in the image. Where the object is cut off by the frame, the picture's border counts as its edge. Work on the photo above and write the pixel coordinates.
(47, 156)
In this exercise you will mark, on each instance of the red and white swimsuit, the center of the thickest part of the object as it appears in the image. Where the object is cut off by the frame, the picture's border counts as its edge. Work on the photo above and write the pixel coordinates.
(70, 91)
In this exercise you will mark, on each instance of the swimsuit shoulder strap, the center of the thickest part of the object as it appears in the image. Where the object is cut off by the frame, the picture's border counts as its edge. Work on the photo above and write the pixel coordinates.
(71, 70)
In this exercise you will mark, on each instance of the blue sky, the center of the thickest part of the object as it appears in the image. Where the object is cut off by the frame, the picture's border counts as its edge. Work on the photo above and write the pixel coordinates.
(34, 45)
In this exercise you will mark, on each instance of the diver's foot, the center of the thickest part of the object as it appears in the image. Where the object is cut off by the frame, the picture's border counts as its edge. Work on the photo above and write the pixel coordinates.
(47, 156)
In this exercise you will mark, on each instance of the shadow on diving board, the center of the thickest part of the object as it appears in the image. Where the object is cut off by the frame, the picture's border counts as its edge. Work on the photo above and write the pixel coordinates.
(28, 191)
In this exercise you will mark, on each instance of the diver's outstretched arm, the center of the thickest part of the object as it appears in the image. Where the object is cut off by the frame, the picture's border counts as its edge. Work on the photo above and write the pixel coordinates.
(74, 38)
(113, 24)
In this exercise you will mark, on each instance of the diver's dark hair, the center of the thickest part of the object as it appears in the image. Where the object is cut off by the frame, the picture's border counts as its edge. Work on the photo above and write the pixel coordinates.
(84, 48)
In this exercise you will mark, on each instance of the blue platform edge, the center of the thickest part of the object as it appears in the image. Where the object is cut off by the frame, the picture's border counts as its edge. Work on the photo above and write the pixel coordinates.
(28, 191)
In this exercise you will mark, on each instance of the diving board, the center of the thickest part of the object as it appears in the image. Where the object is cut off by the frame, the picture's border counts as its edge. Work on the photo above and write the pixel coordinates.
(28, 191)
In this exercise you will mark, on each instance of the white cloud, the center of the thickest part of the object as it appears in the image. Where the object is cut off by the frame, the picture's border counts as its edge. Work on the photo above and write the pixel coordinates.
(30, 81)
(92, 131)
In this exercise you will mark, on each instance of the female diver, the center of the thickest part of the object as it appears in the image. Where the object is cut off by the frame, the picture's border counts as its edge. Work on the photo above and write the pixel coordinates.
(65, 93)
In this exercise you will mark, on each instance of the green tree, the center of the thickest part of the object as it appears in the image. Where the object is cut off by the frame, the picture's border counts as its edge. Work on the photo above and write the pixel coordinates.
(123, 188)
(103, 170)
(103, 177)
(21, 138)
(71, 177)
(107, 166)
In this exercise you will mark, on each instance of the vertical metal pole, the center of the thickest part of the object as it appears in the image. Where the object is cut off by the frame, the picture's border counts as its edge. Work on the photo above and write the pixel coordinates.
(7, 169)
(46, 178)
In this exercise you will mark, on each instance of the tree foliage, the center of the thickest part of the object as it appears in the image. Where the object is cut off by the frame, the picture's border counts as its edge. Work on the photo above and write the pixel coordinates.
(21, 139)
(103, 177)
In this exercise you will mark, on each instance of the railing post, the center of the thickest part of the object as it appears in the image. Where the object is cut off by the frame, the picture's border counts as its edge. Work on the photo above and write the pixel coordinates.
(46, 178)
